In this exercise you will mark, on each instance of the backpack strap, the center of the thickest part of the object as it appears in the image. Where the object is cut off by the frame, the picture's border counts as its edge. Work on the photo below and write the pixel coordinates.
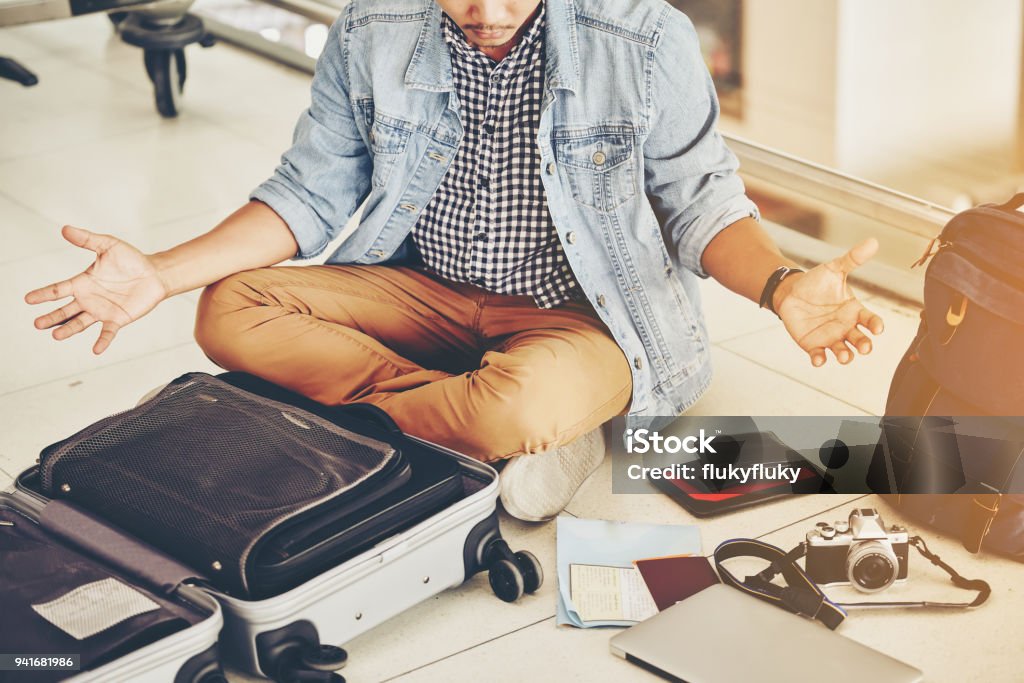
(1015, 203)
(980, 516)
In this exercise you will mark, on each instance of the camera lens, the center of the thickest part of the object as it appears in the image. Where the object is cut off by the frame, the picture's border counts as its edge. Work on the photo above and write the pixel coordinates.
(872, 572)
(871, 566)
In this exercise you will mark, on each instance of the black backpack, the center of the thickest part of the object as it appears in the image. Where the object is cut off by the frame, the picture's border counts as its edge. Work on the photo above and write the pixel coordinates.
(966, 360)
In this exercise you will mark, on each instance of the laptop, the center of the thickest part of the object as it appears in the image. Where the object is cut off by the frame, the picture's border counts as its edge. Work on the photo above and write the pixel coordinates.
(721, 635)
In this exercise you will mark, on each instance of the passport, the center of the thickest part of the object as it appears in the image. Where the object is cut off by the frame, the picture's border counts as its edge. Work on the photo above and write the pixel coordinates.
(675, 578)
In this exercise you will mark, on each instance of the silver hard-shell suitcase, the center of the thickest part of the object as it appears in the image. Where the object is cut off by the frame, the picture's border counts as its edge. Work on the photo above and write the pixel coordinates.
(297, 633)
(190, 655)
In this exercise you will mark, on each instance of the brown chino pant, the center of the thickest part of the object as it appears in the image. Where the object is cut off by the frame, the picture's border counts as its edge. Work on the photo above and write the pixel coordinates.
(489, 375)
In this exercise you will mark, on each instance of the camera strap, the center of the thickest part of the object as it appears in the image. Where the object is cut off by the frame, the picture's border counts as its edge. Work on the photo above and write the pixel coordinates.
(803, 596)
(984, 590)
(800, 595)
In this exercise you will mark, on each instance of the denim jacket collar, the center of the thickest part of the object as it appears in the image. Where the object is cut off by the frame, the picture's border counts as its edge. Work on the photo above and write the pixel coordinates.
(431, 67)
(562, 54)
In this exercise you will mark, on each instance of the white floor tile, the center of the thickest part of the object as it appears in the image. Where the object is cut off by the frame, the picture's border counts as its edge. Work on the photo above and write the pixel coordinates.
(742, 387)
(177, 169)
(88, 39)
(26, 233)
(863, 383)
(70, 105)
(18, 45)
(542, 652)
(33, 357)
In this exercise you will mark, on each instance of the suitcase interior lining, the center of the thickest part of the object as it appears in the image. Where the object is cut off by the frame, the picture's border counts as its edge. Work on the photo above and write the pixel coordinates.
(38, 568)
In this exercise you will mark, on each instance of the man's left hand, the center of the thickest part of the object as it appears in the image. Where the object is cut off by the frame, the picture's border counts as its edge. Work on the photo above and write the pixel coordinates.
(820, 311)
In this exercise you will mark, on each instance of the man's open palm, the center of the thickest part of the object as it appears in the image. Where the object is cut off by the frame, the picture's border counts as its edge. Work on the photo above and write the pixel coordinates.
(120, 287)
(820, 312)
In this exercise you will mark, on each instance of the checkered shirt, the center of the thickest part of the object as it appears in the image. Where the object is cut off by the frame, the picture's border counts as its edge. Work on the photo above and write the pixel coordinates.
(488, 223)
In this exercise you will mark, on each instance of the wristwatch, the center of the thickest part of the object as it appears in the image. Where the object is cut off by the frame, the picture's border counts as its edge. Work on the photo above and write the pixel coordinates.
(776, 278)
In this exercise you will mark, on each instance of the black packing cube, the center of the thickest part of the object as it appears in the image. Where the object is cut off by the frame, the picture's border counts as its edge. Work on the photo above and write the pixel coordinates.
(254, 487)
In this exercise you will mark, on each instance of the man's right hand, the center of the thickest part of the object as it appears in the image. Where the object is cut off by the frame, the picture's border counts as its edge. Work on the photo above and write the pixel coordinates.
(121, 286)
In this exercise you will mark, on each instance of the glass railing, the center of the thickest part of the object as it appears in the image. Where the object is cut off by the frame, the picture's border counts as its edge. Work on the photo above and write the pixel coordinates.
(815, 213)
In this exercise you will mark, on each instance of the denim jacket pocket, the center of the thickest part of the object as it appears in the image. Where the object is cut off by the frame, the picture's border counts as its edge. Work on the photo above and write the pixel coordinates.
(600, 168)
(388, 140)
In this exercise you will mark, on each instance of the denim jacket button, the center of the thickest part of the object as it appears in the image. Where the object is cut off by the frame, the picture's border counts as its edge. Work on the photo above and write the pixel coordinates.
(599, 158)
(638, 363)
(571, 238)
(600, 300)
(551, 169)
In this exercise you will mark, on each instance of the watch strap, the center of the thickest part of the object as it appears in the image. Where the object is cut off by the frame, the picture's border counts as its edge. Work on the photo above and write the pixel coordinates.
(774, 280)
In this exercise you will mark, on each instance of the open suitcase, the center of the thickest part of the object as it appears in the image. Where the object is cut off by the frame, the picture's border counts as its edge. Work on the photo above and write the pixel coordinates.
(153, 628)
(323, 565)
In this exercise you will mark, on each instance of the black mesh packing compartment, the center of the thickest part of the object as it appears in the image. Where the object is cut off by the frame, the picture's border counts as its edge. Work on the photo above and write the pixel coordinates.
(210, 473)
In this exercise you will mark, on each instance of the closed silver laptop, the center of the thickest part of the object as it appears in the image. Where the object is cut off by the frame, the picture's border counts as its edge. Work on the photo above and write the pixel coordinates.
(721, 635)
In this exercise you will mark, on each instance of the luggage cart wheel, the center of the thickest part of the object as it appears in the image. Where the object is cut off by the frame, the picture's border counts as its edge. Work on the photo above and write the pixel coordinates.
(533, 574)
(166, 69)
(323, 657)
(506, 580)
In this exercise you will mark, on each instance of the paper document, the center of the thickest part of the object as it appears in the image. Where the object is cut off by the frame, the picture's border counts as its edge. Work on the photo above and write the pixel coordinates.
(609, 593)
(612, 544)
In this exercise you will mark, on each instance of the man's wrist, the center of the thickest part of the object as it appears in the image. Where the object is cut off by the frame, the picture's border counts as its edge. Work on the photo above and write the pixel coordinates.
(162, 264)
(785, 288)
(770, 295)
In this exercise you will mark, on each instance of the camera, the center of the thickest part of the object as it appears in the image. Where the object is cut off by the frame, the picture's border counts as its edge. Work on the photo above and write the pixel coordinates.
(861, 552)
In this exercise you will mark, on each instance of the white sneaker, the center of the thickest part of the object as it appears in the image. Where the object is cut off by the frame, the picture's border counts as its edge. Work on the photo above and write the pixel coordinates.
(535, 488)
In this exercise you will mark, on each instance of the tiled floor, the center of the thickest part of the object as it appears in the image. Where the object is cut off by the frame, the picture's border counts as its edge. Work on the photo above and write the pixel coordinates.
(85, 147)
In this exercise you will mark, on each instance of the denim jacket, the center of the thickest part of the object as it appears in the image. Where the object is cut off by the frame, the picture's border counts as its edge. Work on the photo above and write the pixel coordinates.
(637, 179)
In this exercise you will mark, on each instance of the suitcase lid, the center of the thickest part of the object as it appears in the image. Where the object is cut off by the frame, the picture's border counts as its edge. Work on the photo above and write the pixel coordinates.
(171, 627)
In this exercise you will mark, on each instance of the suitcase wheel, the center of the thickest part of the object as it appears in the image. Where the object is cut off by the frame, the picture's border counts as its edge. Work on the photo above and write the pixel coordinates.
(533, 574)
(511, 574)
(293, 654)
(323, 657)
(217, 677)
(506, 580)
(311, 663)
